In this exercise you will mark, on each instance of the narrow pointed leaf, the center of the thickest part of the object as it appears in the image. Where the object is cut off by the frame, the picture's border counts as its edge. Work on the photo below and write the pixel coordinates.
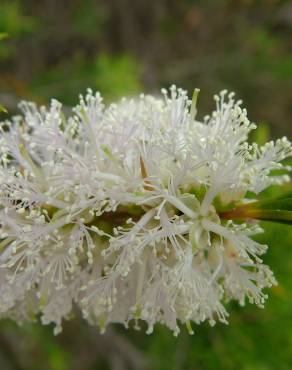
(279, 216)
(2, 109)
(278, 203)
(272, 209)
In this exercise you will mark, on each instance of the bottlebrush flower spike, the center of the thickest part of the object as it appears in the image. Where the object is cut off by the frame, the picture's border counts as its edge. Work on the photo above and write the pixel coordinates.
(126, 211)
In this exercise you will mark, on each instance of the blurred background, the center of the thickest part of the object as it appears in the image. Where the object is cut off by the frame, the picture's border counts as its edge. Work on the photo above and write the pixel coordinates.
(58, 48)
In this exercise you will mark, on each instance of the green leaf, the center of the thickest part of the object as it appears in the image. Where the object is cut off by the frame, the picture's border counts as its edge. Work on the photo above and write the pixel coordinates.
(273, 209)
(279, 216)
(274, 203)
(2, 109)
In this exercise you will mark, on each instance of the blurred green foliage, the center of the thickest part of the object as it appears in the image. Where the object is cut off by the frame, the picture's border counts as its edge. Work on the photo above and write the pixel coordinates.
(117, 75)
(56, 48)
(15, 25)
(112, 75)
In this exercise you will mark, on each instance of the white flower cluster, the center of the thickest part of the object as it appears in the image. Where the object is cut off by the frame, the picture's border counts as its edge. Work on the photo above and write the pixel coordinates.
(116, 210)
